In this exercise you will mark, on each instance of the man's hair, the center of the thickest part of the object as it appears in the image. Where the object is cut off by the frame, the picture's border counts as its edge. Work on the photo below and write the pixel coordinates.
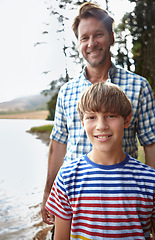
(87, 10)
(104, 97)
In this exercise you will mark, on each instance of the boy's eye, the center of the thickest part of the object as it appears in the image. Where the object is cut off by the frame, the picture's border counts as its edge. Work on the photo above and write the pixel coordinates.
(111, 116)
(91, 117)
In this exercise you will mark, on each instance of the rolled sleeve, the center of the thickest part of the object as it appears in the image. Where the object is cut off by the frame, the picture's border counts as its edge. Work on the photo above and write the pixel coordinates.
(146, 116)
(60, 131)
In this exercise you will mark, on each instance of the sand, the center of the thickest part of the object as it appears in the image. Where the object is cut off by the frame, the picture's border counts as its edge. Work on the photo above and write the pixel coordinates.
(26, 115)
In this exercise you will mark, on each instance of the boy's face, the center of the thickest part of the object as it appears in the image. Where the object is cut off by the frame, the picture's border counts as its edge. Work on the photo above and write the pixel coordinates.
(105, 130)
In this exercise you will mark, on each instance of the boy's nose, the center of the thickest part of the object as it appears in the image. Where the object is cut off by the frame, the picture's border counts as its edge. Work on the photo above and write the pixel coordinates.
(102, 124)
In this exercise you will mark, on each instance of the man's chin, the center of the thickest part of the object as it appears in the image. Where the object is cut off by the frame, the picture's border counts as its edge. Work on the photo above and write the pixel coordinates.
(95, 63)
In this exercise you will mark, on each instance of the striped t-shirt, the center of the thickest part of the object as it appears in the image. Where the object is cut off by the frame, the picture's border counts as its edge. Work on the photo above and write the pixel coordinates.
(105, 202)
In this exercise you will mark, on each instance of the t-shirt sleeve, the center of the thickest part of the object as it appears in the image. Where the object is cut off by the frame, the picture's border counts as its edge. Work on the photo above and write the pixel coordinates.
(58, 203)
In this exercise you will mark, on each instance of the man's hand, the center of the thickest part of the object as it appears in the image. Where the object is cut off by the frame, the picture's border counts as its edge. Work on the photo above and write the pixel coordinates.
(46, 216)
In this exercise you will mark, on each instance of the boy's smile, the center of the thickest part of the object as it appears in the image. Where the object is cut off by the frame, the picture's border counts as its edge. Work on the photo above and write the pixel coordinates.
(105, 132)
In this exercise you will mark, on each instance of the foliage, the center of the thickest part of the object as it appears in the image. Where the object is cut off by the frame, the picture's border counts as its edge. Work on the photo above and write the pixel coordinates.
(41, 129)
(54, 89)
(142, 28)
(70, 51)
(123, 33)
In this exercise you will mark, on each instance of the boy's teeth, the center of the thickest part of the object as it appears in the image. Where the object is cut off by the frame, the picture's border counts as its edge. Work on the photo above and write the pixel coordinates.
(102, 136)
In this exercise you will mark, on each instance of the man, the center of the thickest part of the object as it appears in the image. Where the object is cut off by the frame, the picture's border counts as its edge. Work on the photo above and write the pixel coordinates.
(93, 29)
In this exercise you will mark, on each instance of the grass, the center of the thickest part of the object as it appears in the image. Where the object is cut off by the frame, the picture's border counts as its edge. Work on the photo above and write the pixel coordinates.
(141, 155)
(42, 129)
(42, 132)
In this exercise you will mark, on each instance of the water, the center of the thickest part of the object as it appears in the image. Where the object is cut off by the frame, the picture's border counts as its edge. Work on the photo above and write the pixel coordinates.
(23, 167)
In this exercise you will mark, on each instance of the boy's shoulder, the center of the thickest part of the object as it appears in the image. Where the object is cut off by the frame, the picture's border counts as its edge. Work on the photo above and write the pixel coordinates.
(73, 168)
(71, 165)
(138, 166)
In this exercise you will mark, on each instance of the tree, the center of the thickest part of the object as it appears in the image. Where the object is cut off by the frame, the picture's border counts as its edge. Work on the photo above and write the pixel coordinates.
(123, 33)
(53, 91)
(70, 51)
(142, 28)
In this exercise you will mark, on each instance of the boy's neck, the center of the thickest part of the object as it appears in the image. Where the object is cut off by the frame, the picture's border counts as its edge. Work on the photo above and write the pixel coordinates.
(103, 158)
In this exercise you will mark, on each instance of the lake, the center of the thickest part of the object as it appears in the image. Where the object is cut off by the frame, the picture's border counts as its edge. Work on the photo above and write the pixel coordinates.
(23, 167)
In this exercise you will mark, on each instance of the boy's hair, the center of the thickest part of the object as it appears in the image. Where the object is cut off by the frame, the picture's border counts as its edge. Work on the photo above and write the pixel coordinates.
(87, 10)
(104, 97)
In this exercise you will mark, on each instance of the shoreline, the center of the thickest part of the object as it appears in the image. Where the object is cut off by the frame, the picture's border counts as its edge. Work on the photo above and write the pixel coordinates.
(42, 115)
(43, 136)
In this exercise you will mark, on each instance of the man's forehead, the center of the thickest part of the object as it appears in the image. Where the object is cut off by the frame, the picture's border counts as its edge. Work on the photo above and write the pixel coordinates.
(99, 25)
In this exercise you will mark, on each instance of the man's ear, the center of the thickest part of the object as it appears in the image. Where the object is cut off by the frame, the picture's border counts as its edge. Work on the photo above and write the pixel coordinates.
(127, 121)
(112, 39)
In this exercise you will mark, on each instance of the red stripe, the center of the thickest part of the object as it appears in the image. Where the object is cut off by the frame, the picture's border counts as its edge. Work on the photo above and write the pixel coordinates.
(111, 220)
(81, 198)
(56, 209)
(57, 192)
(59, 215)
(94, 212)
(110, 205)
(91, 226)
(108, 235)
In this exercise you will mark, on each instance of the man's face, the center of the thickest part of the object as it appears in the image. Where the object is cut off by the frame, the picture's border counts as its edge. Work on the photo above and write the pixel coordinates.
(94, 41)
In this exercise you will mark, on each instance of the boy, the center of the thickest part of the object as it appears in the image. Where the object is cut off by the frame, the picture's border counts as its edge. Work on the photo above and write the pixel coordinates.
(105, 194)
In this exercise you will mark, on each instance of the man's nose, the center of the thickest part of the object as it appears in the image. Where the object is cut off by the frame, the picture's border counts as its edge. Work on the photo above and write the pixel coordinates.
(91, 42)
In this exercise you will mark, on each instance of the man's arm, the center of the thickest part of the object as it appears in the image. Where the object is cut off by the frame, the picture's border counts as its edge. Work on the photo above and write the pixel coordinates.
(150, 155)
(153, 229)
(62, 229)
(56, 156)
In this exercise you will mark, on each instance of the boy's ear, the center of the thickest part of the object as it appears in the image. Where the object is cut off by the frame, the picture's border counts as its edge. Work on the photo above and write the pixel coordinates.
(127, 121)
(83, 124)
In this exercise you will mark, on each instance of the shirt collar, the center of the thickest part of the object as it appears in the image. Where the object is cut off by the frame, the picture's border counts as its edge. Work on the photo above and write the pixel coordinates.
(111, 73)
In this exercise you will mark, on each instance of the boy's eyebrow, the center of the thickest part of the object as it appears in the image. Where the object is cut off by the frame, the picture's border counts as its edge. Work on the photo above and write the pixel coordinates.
(102, 111)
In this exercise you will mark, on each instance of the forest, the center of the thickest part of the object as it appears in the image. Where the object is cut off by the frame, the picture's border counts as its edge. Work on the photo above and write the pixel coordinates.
(138, 25)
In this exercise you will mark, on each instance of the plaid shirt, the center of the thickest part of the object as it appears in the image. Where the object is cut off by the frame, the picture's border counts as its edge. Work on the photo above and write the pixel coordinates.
(68, 129)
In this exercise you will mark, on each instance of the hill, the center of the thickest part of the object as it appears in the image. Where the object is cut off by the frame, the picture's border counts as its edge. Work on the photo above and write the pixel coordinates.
(30, 103)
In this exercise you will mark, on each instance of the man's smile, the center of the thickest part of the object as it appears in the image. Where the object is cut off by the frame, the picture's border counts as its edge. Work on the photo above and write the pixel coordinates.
(94, 52)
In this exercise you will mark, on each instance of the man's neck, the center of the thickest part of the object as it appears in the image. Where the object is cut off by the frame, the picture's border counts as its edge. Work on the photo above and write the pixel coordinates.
(98, 73)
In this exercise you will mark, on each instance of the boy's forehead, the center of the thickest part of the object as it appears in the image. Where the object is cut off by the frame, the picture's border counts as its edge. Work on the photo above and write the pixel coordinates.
(102, 110)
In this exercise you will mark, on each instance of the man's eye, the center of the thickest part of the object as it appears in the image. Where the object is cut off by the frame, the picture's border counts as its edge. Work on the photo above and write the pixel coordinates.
(83, 39)
(99, 34)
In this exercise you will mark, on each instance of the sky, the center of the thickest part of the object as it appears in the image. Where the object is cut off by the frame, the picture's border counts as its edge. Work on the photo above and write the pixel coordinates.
(23, 62)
